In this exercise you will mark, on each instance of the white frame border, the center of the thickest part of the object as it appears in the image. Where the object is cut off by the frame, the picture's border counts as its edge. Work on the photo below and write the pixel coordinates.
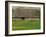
(23, 31)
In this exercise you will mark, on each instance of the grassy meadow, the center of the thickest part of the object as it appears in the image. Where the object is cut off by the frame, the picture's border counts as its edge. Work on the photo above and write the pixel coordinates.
(25, 24)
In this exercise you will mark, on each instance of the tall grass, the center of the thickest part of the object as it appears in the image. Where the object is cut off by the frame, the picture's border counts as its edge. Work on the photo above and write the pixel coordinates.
(25, 24)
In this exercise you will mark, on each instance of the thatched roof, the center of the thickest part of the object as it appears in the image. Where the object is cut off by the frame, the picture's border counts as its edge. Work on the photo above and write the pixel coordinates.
(26, 12)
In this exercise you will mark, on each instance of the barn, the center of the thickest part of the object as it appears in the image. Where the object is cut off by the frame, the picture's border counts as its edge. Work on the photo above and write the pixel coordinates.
(25, 18)
(25, 13)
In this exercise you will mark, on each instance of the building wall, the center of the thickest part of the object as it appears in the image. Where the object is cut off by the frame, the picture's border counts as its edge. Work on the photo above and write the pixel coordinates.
(25, 12)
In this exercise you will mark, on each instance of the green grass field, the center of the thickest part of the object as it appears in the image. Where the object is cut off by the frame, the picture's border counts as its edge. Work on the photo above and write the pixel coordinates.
(25, 24)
